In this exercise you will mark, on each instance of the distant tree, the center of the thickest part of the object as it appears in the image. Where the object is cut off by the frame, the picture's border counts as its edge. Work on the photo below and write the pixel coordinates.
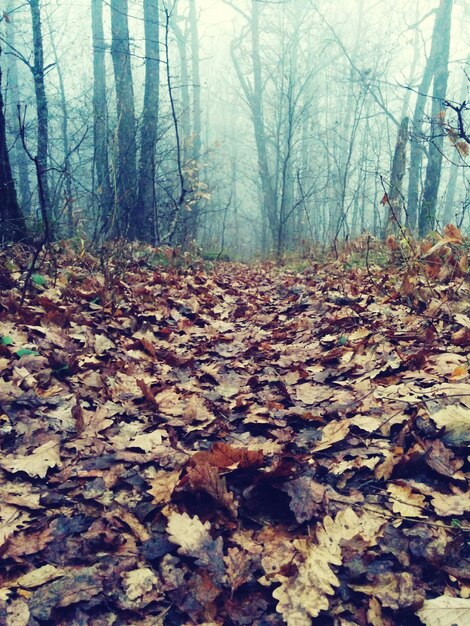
(125, 220)
(39, 70)
(20, 157)
(435, 69)
(102, 188)
(393, 200)
(12, 225)
(196, 140)
(146, 202)
(427, 214)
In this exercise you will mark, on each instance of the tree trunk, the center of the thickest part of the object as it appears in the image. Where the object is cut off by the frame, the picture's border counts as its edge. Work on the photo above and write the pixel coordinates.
(269, 199)
(12, 225)
(427, 214)
(41, 103)
(100, 115)
(126, 169)
(196, 96)
(149, 130)
(22, 161)
(394, 199)
(66, 166)
(185, 123)
(416, 147)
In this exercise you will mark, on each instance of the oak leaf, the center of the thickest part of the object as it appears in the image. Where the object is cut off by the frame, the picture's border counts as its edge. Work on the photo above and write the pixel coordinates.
(305, 595)
(306, 498)
(12, 519)
(239, 565)
(394, 590)
(36, 464)
(405, 501)
(162, 485)
(205, 477)
(195, 541)
(142, 586)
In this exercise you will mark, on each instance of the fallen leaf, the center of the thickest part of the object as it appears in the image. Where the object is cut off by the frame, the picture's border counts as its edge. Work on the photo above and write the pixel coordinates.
(36, 464)
(445, 611)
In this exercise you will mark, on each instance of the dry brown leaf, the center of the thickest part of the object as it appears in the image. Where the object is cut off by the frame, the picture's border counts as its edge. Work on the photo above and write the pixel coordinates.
(405, 501)
(332, 433)
(38, 577)
(226, 457)
(394, 590)
(457, 503)
(12, 519)
(163, 484)
(309, 393)
(195, 541)
(205, 477)
(445, 611)
(392, 458)
(36, 464)
(306, 498)
(456, 421)
(17, 613)
(239, 565)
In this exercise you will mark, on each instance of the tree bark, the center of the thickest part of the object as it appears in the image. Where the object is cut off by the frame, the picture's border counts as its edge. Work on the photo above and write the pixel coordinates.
(100, 115)
(41, 102)
(21, 158)
(197, 130)
(416, 147)
(149, 130)
(12, 225)
(427, 214)
(126, 169)
(66, 165)
(395, 196)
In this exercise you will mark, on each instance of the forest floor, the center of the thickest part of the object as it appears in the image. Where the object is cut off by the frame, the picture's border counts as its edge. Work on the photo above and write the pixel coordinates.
(235, 445)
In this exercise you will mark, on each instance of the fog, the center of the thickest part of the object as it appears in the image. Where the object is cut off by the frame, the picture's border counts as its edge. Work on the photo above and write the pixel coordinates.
(275, 126)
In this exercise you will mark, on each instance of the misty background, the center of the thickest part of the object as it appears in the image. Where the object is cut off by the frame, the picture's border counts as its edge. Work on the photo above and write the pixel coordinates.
(275, 125)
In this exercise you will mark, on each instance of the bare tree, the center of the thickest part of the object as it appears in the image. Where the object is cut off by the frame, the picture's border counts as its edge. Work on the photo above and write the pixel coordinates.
(22, 161)
(427, 214)
(126, 169)
(39, 72)
(394, 198)
(102, 188)
(416, 141)
(12, 225)
(146, 202)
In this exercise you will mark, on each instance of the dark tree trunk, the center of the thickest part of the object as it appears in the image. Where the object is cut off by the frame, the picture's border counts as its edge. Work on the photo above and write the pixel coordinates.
(427, 214)
(149, 131)
(416, 147)
(41, 102)
(126, 169)
(395, 196)
(12, 225)
(100, 115)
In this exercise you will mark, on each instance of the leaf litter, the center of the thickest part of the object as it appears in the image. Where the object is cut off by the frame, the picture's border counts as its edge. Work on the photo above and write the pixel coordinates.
(235, 445)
